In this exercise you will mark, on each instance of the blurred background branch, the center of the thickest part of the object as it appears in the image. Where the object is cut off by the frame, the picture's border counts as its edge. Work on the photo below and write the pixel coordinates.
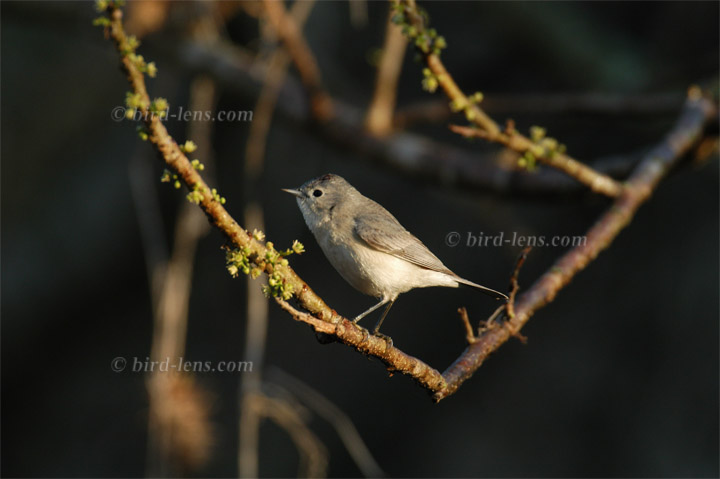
(418, 155)
(379, 117)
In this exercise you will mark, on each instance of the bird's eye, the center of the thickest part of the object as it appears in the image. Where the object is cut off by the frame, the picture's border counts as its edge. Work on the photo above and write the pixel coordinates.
(317, 193)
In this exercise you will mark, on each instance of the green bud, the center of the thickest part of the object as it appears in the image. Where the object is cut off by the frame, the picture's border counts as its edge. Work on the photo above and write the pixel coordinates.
(537, 133)
(298, 247)
(430, 84)
(458, 104)
(133, 42)
(151, 69)
(101, 22)
(188, 147)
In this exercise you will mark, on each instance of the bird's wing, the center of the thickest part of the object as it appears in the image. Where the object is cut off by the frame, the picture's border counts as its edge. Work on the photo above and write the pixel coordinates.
(386, 234)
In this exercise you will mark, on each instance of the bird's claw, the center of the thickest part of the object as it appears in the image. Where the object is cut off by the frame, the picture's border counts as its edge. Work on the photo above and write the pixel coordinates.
(384, 337)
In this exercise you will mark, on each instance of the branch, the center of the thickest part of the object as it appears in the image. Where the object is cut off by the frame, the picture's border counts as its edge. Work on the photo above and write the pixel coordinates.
(514, 287)
(513, 140)
(436, 110)
(696, 113)
(379, 118)
(348, 333)
(287, 30)
(176, 160)
(429, 45)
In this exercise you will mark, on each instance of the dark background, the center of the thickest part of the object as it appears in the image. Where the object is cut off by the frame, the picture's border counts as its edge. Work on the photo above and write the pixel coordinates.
(619, 376)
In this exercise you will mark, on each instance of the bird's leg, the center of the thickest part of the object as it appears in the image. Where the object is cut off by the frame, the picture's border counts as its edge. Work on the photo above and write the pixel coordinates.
(376, 329)
(384, 301)
(382, 318)
(361, 316)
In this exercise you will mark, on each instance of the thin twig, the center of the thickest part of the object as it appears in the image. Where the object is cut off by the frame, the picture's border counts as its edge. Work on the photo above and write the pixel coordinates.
(469, 334)
(514, 287)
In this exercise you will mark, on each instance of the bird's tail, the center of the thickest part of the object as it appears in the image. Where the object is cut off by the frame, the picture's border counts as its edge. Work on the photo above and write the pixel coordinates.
(488, 291)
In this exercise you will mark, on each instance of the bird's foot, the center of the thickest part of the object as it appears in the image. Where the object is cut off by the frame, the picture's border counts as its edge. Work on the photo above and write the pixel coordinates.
(385, 337)
(366, 333)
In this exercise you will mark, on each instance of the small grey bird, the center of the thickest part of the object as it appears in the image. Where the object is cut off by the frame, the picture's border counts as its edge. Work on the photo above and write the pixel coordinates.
(368, 247)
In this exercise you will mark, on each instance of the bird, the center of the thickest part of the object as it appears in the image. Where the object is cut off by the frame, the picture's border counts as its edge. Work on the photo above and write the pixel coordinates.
(369, 247)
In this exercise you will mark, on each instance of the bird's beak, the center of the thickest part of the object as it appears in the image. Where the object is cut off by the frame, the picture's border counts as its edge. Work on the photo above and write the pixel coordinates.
(293, 192)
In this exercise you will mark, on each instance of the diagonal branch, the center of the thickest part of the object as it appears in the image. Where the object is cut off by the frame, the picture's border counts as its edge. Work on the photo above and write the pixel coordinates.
(176, 160)
(429, 47)
(348, 333)
(510, 138)
(696, 113)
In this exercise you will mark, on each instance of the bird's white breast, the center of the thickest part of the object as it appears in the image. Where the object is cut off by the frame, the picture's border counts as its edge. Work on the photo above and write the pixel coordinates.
(376, 273)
